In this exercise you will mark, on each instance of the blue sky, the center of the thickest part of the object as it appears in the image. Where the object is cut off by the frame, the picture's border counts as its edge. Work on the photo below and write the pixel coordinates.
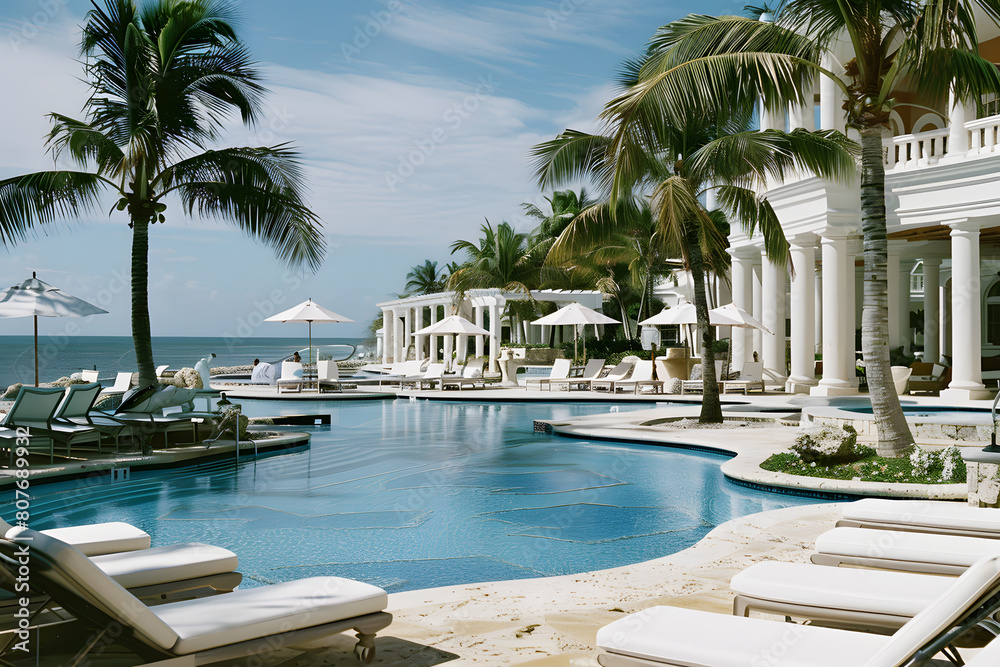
(414, 118)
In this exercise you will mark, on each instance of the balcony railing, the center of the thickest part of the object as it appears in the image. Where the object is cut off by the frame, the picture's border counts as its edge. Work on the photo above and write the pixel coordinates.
(911, 151)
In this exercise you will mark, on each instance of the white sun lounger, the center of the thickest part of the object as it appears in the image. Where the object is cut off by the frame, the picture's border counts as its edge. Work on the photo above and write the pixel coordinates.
(471, 376)
(97, 539)
(925, 516)
(617, 374)
(205, 630)
(559, 375)
(691, 638)
(642, 376)
(899, 550)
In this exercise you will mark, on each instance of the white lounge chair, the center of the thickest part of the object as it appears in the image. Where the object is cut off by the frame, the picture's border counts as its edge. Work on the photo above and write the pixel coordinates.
(205, 630)
(472, 375)
(592, 371)
(88, 376)
(123, 381)
(434, 373)
(642, 376)
(616, 374)
(899, 550)
(687, 637)
(901, 378)
(559, 373)
(291, 377)
(926, 516)
(97, 539)
(697, 385)
(751, 377)
(328, 376)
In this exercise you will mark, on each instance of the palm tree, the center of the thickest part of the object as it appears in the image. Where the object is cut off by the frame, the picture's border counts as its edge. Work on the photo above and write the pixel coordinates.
(672, 165)
(930, 47)
(164, 80)
(425, 279)
(502, 259)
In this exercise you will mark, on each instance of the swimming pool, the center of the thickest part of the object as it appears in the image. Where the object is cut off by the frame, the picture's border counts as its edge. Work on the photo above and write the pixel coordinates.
(415, 494)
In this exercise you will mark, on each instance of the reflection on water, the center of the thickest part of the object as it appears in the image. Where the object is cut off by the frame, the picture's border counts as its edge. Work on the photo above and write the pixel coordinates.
(416, 494)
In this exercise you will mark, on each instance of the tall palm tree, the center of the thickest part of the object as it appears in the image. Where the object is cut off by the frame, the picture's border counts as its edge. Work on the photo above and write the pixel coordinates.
(425, 279)
(672, 165)
(164, 79)
(928, 46)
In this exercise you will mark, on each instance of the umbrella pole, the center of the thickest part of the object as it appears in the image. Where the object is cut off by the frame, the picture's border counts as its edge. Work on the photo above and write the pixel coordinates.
(36, 349)
(311, 353)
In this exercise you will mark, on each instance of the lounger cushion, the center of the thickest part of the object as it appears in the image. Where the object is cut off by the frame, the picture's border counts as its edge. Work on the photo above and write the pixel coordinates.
(102, 538)
(82, 576)
(898, 545)
(875, 591)
(924, 513)
(161, 565)
(698, 639)
(258, 612)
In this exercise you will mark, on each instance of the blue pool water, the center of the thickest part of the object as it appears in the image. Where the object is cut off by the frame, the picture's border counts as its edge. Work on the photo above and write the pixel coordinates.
(414, 494)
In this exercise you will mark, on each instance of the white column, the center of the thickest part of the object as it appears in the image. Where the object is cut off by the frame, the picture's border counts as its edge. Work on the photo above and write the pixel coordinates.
(407, 331)
(831, 99)
(818, 312)
(758, 313)
(772, 279)
(803, 306)
(480, 351)
(892, 296)
(966, 315)
(802, 115)
(434, 339)
(419, 324)
(905, 334)
(945, 320)
(387, 335)
(958, 136)
(397, 337)
(494, 338)
(838, 353)
(743, 298)
(852, 316)
(932, 308)
(449, 340)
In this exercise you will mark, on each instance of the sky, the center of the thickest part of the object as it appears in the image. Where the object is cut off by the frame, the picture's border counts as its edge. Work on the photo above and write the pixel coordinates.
(415, 120)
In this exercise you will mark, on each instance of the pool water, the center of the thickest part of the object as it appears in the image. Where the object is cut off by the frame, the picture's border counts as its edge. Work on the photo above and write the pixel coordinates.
(414, 494)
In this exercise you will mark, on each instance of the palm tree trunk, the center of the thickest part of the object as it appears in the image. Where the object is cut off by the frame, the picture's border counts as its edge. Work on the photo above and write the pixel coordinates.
(141, 330)
(711, 409)
(894, 437)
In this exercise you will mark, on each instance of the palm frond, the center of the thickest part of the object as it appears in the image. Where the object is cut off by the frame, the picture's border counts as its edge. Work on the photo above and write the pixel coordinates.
(32, 201)
(756, 215)
(86, 145)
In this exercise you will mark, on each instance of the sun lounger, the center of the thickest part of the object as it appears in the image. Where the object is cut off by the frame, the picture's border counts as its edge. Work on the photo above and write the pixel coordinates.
(291, 376)
(123, 381)
(592, 371)
(89, 376)
(434, 373)
(618, 373)
(687, 637)
(138, 413)
(97, 539)
(35, 408)
(642, 376)
(77, 408)
(328, 376)
(472, 375)
(558, 374)
(899, 550)
(206, 630)
(926, 516)
(751, 377)
(696, 385)
(857, 598)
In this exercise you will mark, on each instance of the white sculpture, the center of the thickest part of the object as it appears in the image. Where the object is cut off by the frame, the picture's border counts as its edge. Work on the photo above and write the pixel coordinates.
(204, 370)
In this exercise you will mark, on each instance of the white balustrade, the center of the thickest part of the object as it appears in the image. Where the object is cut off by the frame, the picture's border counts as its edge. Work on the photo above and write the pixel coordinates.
(908, 151)
(983, 134)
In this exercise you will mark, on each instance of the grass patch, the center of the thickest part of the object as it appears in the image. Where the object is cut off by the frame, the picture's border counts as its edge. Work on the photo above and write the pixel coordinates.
(868, 469)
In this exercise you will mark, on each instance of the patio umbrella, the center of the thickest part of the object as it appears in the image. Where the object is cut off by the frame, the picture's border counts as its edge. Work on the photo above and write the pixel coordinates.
(37, 299)
(453, 324)
(740, 316)
(685, 314)
(575, 314)
(309, 312)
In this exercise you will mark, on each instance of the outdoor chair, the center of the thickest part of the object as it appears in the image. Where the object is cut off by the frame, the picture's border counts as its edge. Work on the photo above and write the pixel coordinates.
(901, 378)
(202, 631)
(138, 412)
(928, 377)
(77, 408)
(96, 539)
(899, 550)
(925, 516)
(642, 376)
(35, 408)
(291, 376)
(591, 371)
(559, 373)
(616, 374)
(751, 377)
(123, 381)
(674, 636)
(89, 376)
(471, 376)
(695, 384)
(434, 373)
(328, 376)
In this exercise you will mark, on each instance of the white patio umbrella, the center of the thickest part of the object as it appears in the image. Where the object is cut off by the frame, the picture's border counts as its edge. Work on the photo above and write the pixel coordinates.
(737, 314)
(309, 312)
(453, 324)
(685, 314)
(575, 314)
(36, 299)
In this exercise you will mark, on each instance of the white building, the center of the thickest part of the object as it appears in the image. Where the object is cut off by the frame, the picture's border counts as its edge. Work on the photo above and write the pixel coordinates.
(943, 216)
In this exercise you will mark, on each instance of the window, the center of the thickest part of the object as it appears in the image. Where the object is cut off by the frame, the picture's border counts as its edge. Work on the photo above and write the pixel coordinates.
(993, 314)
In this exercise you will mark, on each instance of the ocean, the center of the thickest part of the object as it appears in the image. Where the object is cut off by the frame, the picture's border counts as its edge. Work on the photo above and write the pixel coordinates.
(60, 356)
